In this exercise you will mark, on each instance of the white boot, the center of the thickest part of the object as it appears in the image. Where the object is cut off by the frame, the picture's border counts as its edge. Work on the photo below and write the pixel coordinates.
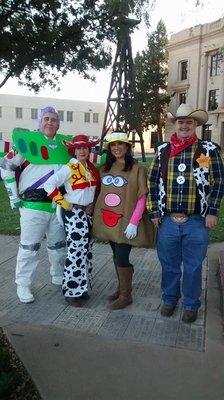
(24, 294)
(57, 280)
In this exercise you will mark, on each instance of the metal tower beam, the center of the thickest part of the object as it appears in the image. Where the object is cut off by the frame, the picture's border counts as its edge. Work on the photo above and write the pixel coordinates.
(122, 111)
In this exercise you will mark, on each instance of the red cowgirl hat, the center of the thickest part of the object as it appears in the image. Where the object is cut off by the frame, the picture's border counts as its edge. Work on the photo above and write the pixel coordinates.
(79, 141)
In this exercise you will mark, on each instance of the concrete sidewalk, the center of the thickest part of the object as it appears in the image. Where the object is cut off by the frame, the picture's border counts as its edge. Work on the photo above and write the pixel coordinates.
(96, 354)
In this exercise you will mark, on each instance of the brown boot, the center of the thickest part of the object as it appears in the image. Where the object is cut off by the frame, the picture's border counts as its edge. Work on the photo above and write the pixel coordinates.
(125, 279)
(114, 296)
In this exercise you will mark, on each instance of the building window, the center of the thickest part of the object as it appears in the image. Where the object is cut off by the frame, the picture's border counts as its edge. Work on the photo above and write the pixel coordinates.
(215, 64)
(206, 132)
(61, 115)
(69, 116)
(96, 118)
(182, 98)
(213, 100)
(0, 112)
(87, 117)
(19, 113)
(183, 70)
(34, 113)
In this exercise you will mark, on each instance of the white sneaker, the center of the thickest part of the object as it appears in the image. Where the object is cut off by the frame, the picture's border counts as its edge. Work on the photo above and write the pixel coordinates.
(57, 280)
(24, 294)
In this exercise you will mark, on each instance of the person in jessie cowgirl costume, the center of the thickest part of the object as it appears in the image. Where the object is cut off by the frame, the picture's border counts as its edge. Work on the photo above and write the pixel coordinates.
(185, 190)
(120, 215)
(37, 215)
(81, 182)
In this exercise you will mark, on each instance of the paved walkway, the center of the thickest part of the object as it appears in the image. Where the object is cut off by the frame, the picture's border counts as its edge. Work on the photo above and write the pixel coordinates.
(140, 322)
(96, 353)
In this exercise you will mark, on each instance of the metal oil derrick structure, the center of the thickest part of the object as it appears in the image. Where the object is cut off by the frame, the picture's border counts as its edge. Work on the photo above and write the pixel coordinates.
(122, 105)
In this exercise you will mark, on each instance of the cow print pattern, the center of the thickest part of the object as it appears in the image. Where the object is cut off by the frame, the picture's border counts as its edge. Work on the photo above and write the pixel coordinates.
(78, 264)
(203, 179)
(162, 193)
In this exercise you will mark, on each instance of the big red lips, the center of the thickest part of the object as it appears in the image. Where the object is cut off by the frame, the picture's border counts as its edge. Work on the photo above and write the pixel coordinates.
(110, 218)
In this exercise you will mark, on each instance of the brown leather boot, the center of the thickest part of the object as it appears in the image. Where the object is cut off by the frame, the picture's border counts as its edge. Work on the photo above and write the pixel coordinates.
(125, 279)
(114, 296)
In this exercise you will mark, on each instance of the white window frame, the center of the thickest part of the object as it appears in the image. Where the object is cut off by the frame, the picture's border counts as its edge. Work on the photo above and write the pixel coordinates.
(69, 116)
(61, 115)
(87, 117)
(19, 113)
(184, 94)
(34, 113)
(215, 64)
(95, 118)
(180, 70)
(213, 99)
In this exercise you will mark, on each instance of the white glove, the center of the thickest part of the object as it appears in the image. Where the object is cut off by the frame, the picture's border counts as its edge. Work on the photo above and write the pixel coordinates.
(131, 231)
(11, 187)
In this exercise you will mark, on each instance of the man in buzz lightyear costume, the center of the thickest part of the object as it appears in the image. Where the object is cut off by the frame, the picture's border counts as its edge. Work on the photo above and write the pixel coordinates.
(185, 190)
(37, 213)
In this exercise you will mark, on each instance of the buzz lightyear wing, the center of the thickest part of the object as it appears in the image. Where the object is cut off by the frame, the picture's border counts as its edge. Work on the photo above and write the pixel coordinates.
(35, 147)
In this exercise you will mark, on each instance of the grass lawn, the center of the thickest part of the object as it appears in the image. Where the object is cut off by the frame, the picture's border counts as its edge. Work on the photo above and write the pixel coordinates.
(9, 219)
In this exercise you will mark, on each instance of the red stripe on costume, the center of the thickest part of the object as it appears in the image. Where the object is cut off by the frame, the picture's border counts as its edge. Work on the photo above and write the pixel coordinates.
(25, 164)
(53, 194)
(10, 155)
(83, 185)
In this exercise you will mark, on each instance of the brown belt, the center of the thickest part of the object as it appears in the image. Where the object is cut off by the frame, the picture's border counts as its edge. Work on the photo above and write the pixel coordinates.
(179, 218)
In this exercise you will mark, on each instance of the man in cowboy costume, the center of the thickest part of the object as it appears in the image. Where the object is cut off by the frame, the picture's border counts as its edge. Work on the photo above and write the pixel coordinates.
(185, 190)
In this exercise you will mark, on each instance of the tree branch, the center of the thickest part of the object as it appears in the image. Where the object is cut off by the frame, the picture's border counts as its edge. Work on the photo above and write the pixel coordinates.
(5, 79)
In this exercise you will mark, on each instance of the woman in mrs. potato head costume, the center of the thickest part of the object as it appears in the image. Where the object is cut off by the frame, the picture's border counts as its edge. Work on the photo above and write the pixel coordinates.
(120, 215)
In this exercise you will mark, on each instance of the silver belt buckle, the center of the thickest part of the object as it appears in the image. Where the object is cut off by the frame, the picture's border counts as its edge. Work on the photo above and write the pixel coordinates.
(179, 218)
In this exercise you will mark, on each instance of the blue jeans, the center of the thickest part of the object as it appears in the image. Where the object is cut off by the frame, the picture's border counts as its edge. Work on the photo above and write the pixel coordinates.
(182, 243)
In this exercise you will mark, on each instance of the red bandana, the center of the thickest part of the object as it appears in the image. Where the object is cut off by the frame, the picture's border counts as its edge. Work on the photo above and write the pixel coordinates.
(177, 145)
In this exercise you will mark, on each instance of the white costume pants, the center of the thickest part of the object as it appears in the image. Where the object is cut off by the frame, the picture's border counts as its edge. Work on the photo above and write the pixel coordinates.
(34, 225)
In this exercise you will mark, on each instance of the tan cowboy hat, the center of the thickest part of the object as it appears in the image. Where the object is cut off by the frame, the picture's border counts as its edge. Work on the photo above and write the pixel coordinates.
(186, 111)
(116, 137)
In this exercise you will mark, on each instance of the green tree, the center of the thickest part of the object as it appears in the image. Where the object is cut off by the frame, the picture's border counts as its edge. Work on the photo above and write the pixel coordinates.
(151, 79)
(43, 40)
